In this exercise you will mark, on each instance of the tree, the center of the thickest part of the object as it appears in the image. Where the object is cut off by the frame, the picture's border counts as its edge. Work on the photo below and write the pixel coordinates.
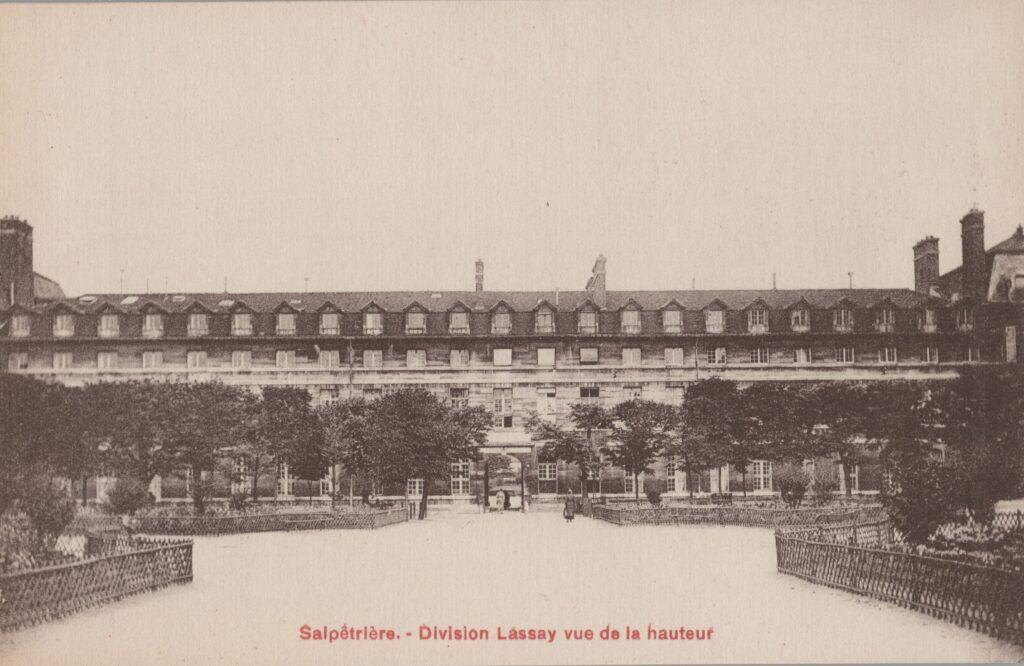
(576, 442)
(842, 423)
(707, 426)
(24, 445)
(78, 434)
(345, 426)
(640, 433)
(307, 456)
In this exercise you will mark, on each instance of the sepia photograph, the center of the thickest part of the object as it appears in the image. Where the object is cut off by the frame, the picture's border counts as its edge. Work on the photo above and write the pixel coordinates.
(512, 332)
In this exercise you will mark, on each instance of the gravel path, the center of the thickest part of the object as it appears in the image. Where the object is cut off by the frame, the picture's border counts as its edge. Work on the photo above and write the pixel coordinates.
(252, 593)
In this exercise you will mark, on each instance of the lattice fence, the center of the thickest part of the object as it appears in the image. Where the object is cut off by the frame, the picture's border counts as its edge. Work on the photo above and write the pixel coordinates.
(130, 566)
(733, 515)
(982, 598)
(271, 522)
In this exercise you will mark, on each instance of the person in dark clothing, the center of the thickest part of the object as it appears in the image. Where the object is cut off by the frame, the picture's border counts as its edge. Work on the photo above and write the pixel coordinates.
(569, 512)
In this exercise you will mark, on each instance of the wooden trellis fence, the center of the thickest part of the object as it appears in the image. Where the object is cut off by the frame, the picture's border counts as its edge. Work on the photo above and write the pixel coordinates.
(271, 522)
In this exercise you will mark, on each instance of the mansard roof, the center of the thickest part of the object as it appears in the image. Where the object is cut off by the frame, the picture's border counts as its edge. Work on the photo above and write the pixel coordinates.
(518, 301)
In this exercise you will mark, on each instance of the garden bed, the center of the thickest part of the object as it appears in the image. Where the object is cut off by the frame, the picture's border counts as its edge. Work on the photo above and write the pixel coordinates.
(165, 522)
(732, 515)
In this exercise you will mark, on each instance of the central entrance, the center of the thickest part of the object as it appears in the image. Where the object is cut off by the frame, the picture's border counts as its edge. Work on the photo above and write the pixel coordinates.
(504, 482)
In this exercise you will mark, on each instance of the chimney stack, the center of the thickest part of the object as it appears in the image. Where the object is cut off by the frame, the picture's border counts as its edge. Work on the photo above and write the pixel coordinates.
(926, 264)
(974, 270)
(596, 284)
(16, 276)
(479, 274)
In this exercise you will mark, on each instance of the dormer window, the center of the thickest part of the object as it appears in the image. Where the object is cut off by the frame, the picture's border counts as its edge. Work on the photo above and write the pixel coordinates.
(241, 323)
(800, 320)
(21, 326)
(671, 321)
(458, 322)
(545, 321)
(415, 323)
(631, 321)
(110, 326)
(842, 319)
(757, 320)
(929, 322)
(373, 323)
(588, 322)
(152, 325)
(885, 320)
(64, 325)
(285, 323)
(330, 323)
(714, 321)
(198, 324)
(501, 323)
(965, 318)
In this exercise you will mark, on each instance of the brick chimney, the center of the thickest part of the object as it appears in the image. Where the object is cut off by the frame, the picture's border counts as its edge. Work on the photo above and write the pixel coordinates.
(479, 274)
(596, 284)
(926, 264)
(974, 274)
(16, 275)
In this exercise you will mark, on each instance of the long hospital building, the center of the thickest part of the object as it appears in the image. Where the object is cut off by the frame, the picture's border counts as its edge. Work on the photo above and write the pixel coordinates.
(519, 352)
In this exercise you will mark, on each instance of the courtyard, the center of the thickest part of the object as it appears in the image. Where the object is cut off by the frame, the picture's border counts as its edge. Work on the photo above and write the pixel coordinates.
(518, 577)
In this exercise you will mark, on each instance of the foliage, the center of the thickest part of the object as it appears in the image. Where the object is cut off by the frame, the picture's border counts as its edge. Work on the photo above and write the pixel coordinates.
(238, 502)
(792, 481)
(923, 494)
(640, 433)
(654, 496)
(707, 426)
(577, 442)
(127, 496)
(49, 509)
(823, 481)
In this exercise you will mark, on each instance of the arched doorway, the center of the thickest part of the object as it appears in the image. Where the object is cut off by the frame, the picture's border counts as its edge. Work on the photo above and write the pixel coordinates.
(504, 483)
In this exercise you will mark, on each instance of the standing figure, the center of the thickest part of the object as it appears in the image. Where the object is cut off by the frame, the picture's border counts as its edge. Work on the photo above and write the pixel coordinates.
(569, 512)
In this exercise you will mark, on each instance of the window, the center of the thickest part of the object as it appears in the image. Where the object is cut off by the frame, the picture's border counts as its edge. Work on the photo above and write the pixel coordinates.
(64, 325)
(110, 326)
(152, 325)
(717, 356)
(972, 354)
(588, 355)
(672, 321)
(802, 355)
(842, 319)
(761, 474)
(152, 359)
(845, 355)
(373, 323)
(887, 355)
(329, 395)
(195, 359)
(458, 322)
(502, 407)
(931, 354)
(414, 487)
(285, 358)
(460, 478)
(757, 320)
(546, 357)
(965, 319)
(885, 320)
(671, 478)
(241, 323)
(674, 356)
(21, 326)
(929, 323)
(330, 358)
(241, 359)
(630, 321)
(64, 360)
(285, 323)
(632, 393)
(503, 357)
(327, 482)
(330, 323)
(627, 482)
(239, 481)
(106, 360)
(631, 356)
(590, 395)
(547, 471)
(547, 401)
(800, 320)
(854, 479)
(415, 323)
(501, 323)
(373, 358)
(459, 358)
(17, 361)
(458, 397)
(714, 321)
(759, 355)
(545, 321)
(198, 324)
(588, 323)
(416, 358)
(285, 481)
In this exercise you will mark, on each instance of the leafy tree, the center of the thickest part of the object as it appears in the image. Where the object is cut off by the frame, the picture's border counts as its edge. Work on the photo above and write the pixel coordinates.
(707, 426)
(307, 456)
(24, 444)
(127, 496)
(77, 433)
(922, 493)
(792, 481)
(769, 424)
(575, 441)
(345, 426)
(640, 434)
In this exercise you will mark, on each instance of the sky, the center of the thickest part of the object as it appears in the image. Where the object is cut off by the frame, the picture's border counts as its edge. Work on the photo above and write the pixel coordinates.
(387, 146)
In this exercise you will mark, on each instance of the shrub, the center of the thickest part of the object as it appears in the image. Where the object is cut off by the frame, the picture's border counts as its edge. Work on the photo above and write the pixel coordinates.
(127, 496)
(654, 496)
(824, 482)
(792, 481)
(238, 501)
(922, 496)
(49, 508)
